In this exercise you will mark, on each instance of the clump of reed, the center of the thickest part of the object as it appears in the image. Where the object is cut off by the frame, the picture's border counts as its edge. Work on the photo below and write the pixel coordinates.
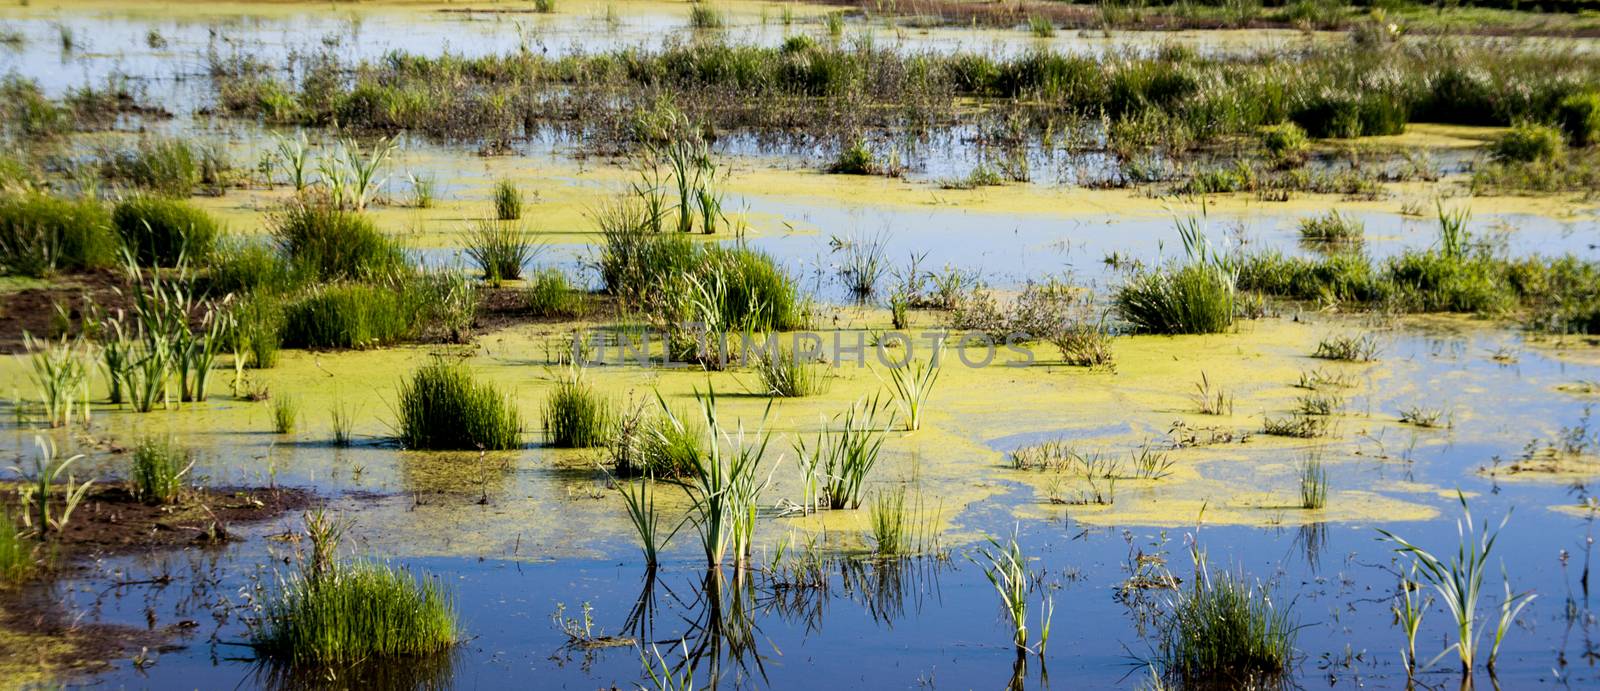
(789, 375)
(1041, 27)
(576, 416)
(165, 166)
(912, 386)
(442, 407)
(1348, 348)
(1298, 425)
(634, 258)
(1420, 416)
(1458, 581)
(1006, 567)
(891, 524)
(333, 243)
(725, 486)
(158, 470)
(285, 413)
(1210, 399)
(48, 501)
(659, 444)
(704, 16)
(550, 294)
(246, 266)
(1313, 484)
(347, 315)
(845, 451)
(333, 613)
(639, 499)
(162, 232)
(507, 202)
(1195, 297)
(1190, 299)
(41, 234)
(1332, 227)
(60, 372)
(18, 556)
(857, 158)
(863, 264)
(501, 249)
(1223, 632)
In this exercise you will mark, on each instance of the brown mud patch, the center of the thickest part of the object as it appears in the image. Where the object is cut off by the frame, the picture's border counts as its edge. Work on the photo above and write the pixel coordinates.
(32, 309)
(41, 643)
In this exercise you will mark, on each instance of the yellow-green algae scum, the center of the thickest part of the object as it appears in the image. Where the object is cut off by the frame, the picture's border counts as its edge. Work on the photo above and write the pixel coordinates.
(543, 504)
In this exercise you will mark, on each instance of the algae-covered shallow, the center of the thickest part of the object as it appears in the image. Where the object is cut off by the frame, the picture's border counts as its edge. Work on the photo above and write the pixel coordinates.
(1436, 361)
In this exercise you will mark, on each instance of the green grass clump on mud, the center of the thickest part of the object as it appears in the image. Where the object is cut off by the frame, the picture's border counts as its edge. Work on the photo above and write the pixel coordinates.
(443, 407)
(348, 315)
(41, 234)
(161, 231)
(336, 244)
(158, 470)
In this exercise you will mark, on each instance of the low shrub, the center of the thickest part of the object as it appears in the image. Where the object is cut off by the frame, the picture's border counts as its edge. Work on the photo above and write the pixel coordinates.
(1286, 145)
(1527, 142)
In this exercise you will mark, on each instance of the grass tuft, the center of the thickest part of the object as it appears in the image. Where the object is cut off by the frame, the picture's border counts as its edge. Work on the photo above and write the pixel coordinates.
(334, 244)
(442, 407)
(161, 231)
(1225, 633)
(507, 201)
(551, 294)
(1332, 227)
(158, 470)
(1191, 299)
(501, 249)
(576, 416)
(360, 611)
(41, 234)
(788, 375)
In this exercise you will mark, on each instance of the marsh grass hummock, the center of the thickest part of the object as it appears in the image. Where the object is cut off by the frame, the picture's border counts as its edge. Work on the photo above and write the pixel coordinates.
(158, 470)
(1190, 299)
(160, 231)
(442, 407)
(41, 234)
(501, 249)
(576, 416)
(333, 243)
(360, 611)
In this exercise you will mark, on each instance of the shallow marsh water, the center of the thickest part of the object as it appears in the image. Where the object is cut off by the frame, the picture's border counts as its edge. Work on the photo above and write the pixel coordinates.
(515, 534)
